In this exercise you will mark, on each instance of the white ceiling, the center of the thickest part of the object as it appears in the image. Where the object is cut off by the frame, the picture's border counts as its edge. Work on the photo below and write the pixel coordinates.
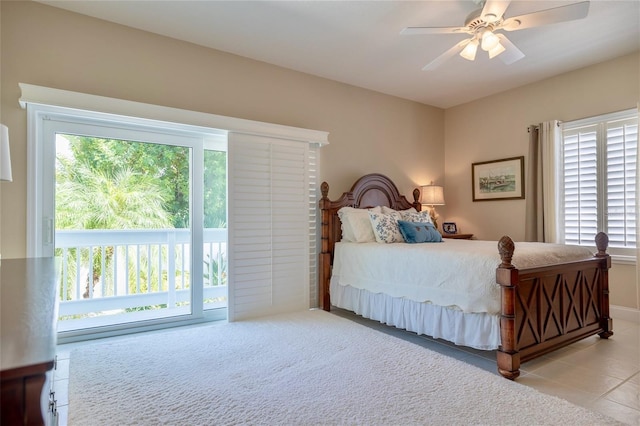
(358, 42)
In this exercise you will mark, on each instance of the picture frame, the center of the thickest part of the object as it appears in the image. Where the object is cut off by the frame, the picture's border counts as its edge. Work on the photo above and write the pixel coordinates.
(449, 228)
(498, 179)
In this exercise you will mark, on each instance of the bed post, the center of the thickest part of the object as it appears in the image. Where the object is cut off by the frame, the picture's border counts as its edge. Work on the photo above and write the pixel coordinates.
(370, 190)
(325, 253)
(602, 241)
(508, 356)
(416, 200)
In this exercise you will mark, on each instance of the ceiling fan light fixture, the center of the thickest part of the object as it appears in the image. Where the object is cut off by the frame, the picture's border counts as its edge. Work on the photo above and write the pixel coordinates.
(497, 49)
(489, 40)
(485, 26)
(469, 51)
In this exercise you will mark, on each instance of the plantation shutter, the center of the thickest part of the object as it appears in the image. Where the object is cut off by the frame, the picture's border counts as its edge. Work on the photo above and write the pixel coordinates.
(312, 190)
(580, 185)
(271, 217)
(622, 148)
(600, 168)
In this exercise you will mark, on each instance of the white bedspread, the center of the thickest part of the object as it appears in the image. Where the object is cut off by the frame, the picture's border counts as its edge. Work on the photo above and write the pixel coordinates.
(459, 274)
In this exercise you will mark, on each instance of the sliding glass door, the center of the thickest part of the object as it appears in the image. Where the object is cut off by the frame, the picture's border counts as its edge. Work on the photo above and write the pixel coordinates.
(136, 212)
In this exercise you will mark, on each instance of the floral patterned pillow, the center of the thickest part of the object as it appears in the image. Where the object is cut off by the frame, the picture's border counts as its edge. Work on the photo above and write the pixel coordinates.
(423, 217)
(385, 227)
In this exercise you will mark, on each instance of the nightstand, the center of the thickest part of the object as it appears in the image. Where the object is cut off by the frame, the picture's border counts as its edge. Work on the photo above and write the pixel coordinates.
(458, 236)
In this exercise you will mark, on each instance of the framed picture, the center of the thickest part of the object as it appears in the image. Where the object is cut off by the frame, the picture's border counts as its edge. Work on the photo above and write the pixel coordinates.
(498, 179)
(450, 228)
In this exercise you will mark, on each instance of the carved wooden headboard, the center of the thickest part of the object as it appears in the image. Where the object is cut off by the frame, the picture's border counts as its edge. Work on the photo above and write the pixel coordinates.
(369, 191)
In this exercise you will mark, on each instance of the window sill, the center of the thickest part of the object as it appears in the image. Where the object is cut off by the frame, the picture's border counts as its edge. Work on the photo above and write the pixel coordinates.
(620, 259)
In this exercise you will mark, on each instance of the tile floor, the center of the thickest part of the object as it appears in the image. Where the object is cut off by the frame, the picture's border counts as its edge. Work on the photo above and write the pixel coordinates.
(602, 375)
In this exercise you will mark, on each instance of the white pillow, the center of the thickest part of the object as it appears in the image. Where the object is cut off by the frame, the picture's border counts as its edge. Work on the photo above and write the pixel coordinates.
(415, 216)
(356, 226)
(389, 210)
(385, 227)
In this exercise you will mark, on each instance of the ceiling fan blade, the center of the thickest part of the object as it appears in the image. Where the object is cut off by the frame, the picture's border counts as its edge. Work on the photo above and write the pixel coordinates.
(433, 30)
(493, 10)
(511, 53)
(569, 12)
(446, 55)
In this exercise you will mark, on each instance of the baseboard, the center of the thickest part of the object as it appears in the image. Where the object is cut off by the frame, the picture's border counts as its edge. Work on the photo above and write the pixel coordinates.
(623, 313)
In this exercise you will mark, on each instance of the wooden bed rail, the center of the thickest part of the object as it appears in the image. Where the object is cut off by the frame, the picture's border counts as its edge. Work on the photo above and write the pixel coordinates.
(545, 308)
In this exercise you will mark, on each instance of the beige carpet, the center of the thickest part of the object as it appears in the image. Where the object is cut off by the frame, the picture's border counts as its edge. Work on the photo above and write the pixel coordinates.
(304, 368)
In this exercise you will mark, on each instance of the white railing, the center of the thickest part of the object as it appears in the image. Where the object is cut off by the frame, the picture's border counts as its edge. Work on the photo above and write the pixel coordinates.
(115, 270)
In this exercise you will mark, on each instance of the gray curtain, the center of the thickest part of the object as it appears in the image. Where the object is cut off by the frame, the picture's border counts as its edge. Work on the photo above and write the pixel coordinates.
(542, 204)
(534, 217)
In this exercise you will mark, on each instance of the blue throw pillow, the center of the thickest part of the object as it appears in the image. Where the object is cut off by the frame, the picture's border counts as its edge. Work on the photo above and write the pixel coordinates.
(417, 232)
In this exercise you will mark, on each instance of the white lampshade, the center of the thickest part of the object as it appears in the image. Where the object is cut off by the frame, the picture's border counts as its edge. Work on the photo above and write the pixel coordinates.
(432, 195)
(469, 51)
(5, 155)
(489, 40)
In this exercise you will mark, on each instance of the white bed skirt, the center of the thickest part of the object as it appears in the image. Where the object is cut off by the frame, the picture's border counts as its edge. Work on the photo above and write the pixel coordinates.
(476, 330)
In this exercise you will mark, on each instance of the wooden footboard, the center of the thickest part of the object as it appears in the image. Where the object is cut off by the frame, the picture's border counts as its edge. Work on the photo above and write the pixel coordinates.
(549, 307)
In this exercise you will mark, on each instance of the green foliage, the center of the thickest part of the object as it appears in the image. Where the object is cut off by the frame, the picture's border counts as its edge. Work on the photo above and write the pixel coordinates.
(215, 189)
(115, 184)
(215, 270)
(117, 198)
(160, 170)
(151, 172)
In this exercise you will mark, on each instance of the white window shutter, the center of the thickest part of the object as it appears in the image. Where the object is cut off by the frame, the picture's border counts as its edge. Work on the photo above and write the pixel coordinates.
(314, 226)
(622, 146)
(269, 225)
(580, 185)
(600, 175)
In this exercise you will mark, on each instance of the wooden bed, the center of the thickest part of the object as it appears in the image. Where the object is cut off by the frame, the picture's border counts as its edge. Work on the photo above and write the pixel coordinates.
(542, 309)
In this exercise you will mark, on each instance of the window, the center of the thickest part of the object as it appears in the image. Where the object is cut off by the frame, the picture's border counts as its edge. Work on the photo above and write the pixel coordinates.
(271, 203)
(600, 164)
(135, 210)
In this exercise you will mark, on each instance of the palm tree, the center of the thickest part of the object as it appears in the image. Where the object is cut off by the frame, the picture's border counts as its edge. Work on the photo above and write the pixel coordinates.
(108, 199)
(117, 198)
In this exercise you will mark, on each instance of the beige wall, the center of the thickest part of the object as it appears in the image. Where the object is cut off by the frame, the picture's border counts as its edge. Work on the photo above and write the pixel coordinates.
(369, 131)
(496, 127)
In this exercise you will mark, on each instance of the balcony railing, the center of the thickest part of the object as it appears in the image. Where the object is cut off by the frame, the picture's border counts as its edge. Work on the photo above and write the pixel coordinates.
(118, 271)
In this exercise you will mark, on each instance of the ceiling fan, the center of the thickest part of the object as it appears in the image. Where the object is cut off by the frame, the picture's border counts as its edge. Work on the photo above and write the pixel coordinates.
(483, 24)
